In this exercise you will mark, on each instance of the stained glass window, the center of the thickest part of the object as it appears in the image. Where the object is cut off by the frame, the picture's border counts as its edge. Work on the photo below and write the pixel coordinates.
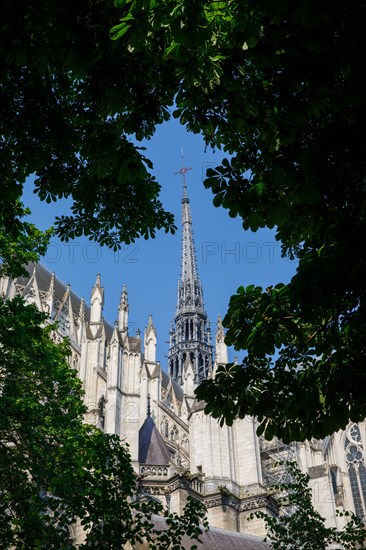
(355, 433)
(355, 458)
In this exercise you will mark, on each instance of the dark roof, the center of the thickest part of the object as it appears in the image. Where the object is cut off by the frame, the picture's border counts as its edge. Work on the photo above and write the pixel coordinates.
(152, 449)
(216, 539)
(221, 539)
(44, 279)
(134, 343)
(178, 390)
(164, 378)
(198, 406)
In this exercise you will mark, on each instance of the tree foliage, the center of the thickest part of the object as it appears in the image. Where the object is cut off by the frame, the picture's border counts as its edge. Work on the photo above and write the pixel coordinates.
(276, 85)
(56, 471)
(20, 241)
(301, 527)
(69, 100)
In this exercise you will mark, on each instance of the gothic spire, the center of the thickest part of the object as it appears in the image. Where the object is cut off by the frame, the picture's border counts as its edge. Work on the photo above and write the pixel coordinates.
(190, 346)
(150, 342)
(97, 301)
(221, 355)
(189, 287)
(220, 333)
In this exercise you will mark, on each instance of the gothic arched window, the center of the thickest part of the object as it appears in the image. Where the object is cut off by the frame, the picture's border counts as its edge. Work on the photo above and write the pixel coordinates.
(185, 443)
(355, 458)
(200, 367)
(105, 354)
(199, 335)
(206, 365)
(101, 413)
(334, 479)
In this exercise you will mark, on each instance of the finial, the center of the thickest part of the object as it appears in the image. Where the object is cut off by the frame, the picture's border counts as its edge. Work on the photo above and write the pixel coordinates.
(183, 172)
(124, 296)
(148, 405)
(52, 283)
(220, 329)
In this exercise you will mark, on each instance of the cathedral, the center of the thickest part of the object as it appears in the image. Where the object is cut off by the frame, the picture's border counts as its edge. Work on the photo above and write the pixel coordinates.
(176, 449)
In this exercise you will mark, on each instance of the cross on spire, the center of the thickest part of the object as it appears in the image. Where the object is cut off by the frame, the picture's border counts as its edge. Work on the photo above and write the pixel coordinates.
(183, 172)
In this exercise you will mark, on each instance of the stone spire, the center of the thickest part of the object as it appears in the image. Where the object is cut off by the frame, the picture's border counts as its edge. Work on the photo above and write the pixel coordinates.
(189, 287)
(96, 302)
(221, 357)
(150, 342)
(220, 334)
(190, 334)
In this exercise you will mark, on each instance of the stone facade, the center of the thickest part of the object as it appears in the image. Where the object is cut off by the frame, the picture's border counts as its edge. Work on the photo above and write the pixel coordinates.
(230, 469)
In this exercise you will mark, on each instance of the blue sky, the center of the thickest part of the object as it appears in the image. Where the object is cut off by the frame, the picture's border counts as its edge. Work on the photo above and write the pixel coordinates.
(227, 255)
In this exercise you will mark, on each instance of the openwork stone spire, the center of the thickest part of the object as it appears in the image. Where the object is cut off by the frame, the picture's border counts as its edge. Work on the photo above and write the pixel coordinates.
(189, 288)
(190, 339)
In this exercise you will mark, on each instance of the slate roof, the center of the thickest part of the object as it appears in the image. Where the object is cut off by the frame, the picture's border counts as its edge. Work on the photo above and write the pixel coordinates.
(177, 387)
(43, 277)
(216, 539)
(152, 449)
(198, 406)
(134, 344)
(221, 539)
